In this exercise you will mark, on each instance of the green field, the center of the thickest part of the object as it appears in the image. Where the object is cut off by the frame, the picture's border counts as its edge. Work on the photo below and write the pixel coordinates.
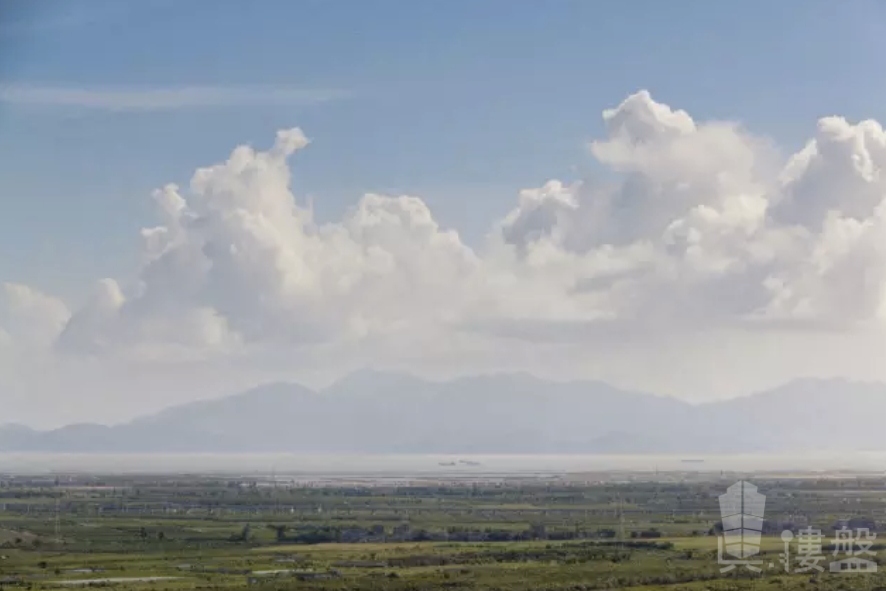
(190, 532)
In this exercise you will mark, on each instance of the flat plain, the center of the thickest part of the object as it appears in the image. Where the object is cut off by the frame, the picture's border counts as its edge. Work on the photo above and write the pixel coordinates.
(573, 531)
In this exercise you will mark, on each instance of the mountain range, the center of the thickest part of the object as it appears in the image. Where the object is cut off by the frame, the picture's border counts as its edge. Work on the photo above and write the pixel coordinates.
(376, 412)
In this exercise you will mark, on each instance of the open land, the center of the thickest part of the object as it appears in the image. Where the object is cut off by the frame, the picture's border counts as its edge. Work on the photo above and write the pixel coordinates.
(451, 530)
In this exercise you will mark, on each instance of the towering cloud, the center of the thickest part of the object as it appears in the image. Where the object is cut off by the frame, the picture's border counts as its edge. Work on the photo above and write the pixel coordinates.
(698, 226)
(29, 318)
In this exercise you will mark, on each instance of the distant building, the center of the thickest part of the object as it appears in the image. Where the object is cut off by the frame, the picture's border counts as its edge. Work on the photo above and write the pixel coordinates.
(354, 535)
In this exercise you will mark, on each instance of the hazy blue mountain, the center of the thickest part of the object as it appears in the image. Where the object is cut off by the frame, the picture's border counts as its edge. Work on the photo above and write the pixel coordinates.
(377, 412)
(804, 414)
(14, 437)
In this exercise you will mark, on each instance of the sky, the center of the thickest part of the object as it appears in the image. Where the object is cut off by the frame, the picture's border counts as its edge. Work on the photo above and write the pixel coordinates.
(198, 197)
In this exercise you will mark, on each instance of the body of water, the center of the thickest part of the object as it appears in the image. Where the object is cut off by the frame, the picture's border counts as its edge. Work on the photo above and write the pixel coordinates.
(418, 464)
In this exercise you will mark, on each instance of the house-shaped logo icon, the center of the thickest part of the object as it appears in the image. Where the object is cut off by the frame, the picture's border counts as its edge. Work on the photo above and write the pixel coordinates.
(741, 511)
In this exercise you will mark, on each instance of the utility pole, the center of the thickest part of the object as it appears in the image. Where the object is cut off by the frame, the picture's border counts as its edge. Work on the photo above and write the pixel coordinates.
(276, 497)
(621, 520)
(58, 538)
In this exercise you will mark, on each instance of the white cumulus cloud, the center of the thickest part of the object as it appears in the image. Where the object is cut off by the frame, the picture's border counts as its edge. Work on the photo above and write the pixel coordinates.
(30, 318)
(699, 227)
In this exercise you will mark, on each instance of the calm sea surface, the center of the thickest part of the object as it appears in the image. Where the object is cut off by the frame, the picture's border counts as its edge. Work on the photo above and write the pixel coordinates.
(395, 465)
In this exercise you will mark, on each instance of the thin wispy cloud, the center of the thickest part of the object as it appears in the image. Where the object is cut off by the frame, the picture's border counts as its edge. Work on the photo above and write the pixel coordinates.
(164, 98)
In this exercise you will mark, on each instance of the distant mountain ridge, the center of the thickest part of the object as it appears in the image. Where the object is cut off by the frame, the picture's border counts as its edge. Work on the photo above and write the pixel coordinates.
(376, 412)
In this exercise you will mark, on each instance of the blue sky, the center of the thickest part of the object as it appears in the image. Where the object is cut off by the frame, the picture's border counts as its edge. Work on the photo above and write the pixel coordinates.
(460, 102)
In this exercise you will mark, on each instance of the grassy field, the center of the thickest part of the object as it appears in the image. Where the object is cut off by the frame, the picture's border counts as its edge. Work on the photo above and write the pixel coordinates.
(192, 532)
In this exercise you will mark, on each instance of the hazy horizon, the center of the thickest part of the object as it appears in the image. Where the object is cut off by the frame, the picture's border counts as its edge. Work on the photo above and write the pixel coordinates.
(515, 413)
(317, 466)
(325, 389)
